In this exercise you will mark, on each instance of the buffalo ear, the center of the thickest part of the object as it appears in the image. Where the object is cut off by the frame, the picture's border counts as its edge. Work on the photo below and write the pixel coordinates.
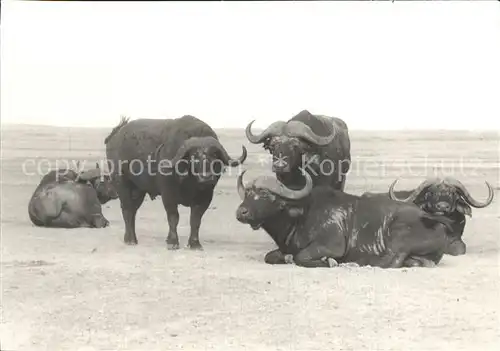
(266, 144)
(295, 211)
(463, 208)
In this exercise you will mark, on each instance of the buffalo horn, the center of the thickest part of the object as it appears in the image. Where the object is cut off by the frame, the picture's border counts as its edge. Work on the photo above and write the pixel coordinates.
(195, 142)
(240, 186)
(231, 162)
(302, 130)
(275, 186)
(274, 129)
(468, 197)
(415, 192)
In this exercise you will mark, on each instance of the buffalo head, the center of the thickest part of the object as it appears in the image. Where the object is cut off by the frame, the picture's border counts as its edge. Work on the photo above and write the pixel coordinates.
(100, 182)
(443, 196)
(287, 142)
(266, 197)
(204, 158)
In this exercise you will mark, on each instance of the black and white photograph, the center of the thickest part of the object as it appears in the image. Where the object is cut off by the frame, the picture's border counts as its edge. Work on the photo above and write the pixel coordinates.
(254, 175)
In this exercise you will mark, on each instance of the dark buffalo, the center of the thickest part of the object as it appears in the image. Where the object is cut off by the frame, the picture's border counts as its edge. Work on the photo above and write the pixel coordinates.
(185, 160)
(321, 226)
(447, 197)
(319, 144)
(68, 199)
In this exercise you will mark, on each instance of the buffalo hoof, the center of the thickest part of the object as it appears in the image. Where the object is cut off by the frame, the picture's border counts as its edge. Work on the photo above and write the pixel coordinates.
(101, 223)
(130, 241)
(411, 262)
(274, 257)
(419, 262)
(195, 246)
(428, 263)
(331, 262)
(288, 259)
(172, 246)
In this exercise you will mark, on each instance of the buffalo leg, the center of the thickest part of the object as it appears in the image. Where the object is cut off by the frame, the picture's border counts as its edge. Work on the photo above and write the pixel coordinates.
(275, 257)
(173, 222)
(197, 213)
(412, 262)
(315, 255)
(99, 221)
(419, 261)
(68, 221)
(131, 199)
(95, 219)
(393, 260)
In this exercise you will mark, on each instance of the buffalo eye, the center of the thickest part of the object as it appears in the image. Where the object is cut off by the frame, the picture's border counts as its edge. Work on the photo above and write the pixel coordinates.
(266, 195)
(305, 146)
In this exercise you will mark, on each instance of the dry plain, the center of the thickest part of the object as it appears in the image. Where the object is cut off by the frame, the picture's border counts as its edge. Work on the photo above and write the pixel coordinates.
(83, 289)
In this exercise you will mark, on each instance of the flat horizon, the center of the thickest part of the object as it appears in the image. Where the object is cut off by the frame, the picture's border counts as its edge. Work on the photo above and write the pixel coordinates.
(11, 125)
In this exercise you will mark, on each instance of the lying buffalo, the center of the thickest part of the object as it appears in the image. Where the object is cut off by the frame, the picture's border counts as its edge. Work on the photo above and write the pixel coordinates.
(321, 226)
(179, 159)
(319, 144)
(68, 199)
(447, 197)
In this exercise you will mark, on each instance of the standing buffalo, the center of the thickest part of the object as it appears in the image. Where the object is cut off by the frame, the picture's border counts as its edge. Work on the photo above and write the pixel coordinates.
(67, 199)
(320, 144)
(184, 161)
(321, 226)
(447, 197)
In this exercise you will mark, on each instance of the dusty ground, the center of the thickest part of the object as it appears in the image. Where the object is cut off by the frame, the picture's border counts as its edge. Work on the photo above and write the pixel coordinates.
(83, 289)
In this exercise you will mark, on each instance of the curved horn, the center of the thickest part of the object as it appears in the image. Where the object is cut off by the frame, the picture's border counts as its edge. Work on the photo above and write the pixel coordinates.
(90, 174)
(275, 186)
(181, 152)
(241, 186)
(207, 142)
(274, 129)
(468, 197)
(302, 130)
(187, 146)
(228, 161)
(414, 194)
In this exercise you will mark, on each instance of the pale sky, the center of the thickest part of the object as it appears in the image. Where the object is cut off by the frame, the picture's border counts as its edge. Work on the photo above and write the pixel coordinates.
(377, 65)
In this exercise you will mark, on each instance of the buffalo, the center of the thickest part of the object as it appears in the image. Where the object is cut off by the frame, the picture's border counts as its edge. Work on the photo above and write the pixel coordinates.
(317, 143)
(185, 160)
(65, 198)
(448, 197)
(322, 227)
